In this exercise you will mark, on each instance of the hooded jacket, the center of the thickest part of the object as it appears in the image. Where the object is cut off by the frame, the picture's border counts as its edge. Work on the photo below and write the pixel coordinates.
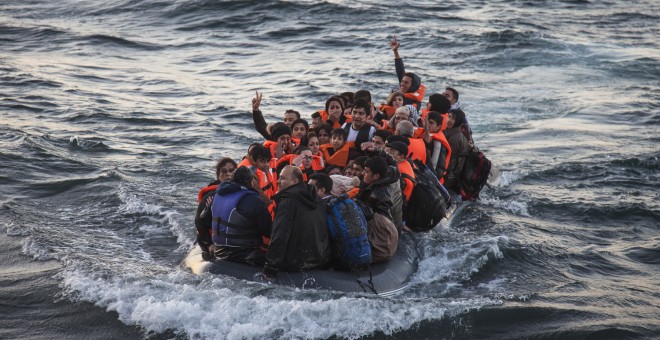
(384, 196)
(459, 149)
(415, 94)
(249, 218)
(299, 239)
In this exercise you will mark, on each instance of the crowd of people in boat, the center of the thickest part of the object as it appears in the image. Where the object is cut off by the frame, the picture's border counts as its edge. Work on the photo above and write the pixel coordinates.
(274, 208)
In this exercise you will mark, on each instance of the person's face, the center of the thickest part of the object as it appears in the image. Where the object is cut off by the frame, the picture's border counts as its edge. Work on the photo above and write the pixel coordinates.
(316, 122)
(324, 137)
(337, 142)
(313, 143)
(368, 176)
(286, 179)
(379, 143)
(433, 126)
(449, 95)
(262, 164)
(299, 130)
(359, 117)
(348, 172)
(320, 192)
(306, 158)
(404, 86)
(450, 120)
(334, 110)
(358, 171)
(399, 117)
(289, 118)
(226, 171)
(397, 102)
(284, 141)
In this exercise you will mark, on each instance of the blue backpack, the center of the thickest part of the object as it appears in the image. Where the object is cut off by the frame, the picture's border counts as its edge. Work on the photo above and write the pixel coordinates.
(347, 228)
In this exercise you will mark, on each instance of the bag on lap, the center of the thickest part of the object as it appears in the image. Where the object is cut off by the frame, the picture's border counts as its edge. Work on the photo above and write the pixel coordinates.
(347, 228)
(428, 201)
(474, 175)
(384, 238)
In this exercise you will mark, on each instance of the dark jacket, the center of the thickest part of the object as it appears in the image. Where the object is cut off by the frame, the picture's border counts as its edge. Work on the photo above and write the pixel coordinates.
(260, 124)
(390, 183)
(255, 210)
(203, 219)
(299, 239)
(459, 149)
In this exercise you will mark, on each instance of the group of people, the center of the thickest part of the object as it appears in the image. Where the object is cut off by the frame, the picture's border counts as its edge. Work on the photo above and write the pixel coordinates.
(271, 208)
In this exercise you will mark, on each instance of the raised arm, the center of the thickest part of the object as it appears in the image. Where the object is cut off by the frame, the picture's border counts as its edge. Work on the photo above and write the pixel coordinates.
(258, 117)
(398, 62)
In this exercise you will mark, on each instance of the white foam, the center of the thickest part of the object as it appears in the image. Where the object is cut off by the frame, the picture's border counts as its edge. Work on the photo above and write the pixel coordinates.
(516, 207)
(216, 307)
(508, 177)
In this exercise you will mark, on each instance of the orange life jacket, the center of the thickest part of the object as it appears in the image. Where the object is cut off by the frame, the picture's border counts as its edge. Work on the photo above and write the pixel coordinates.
(440, 137)
(417, 149)
(405, 168)
(339, 157)
(353, 192)
(205, 190)
(417, 96)
(387, 110)
(425, 113)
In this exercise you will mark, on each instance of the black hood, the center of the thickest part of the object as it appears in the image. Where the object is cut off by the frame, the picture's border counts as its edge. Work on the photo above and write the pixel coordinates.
(390, 177)
(302, 192)
(415, 83)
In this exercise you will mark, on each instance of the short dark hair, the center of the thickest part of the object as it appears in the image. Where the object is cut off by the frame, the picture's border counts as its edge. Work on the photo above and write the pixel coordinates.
(452, 91)
(322, 181)
(260, 152)
(339, 132)
(327, 127)
(362, 94)
(300, 149)
(382, 134)
(360, 161)
(299, 121)
(439, 103)
(222, 162)
(436, 117)
(329, 168)
(348, 98)
(316, 115)
(361, 103)
(377, 165)
(294, 112)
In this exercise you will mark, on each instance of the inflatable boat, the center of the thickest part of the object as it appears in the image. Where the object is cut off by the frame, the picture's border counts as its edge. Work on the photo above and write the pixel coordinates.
(384, 279)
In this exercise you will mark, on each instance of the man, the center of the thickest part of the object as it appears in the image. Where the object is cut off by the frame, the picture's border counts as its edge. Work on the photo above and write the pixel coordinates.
(417, 147)
(259, 121)
(451, 94)
(459, 146)
(440, 150)
(409, 83)
(358, 130)
(323, 185)
(398, 151)
(258, 160)
(299, 237)
(240, 220)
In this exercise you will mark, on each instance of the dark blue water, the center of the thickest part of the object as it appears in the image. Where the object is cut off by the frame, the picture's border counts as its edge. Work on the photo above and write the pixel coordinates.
(112, 114)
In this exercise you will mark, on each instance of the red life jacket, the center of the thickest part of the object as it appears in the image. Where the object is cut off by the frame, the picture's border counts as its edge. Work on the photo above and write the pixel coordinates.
(387, 110)
(417, 96)
(405, 168)
(205, 190)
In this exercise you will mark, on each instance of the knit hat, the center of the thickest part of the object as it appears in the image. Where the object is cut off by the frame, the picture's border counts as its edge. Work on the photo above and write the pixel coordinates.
(278, 130)
(399, 146)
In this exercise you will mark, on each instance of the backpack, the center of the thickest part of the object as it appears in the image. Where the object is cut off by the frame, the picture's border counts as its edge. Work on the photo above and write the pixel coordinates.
(428, 201)
(347, 228)
(474, 175)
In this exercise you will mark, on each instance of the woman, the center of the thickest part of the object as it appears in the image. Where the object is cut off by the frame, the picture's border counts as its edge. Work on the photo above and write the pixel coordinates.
(323, 133)
(224, 169)
(394, 101)
(299, 129)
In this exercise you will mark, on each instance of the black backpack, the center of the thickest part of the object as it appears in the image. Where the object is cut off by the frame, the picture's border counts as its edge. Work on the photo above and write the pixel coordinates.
(474, 175)
(427, 205)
